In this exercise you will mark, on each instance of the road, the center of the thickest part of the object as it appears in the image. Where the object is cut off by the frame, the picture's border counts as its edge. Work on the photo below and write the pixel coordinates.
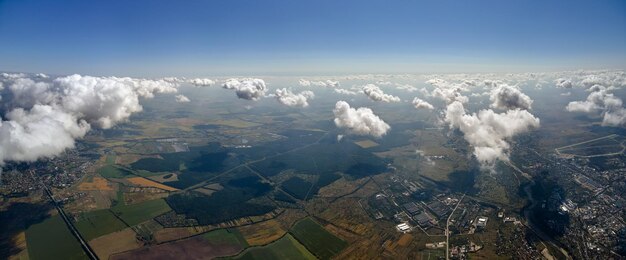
(88, 251)
(448, 228)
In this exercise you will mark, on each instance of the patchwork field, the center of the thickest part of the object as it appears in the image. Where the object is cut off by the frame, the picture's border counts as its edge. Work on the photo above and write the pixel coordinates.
(137, 213)
(262, 233)
(237, 123)
(211, 245)
(226, 237)
(96, 183)
(285, 248)
(97, 223)
(141, 181)
(322, 243)
(111, 171)
(120, 241)
(51, 239)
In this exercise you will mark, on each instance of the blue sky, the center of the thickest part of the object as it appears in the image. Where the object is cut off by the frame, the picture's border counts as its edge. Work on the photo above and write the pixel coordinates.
(231, 37)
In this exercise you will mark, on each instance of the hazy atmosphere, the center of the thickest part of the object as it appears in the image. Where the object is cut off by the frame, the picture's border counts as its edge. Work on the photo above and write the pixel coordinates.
(312, 130)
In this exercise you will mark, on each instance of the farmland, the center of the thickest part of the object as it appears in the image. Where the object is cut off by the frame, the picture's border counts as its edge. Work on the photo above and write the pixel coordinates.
(96, 183)
(51, 239)
(226, 237)
(119, 241)
(322, 243)
(137, 213)
(110, 171)
(285, 248)
(262, 233)
(97, 223)
(141, 181)
(197, 247)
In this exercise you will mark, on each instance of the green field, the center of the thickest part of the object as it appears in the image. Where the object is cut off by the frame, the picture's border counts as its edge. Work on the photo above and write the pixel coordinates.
(319, 241)
(136, 213)
(111, 171)
(285, 248)
(51, 239)
(226, 236)
(97, 223)
(111, 158)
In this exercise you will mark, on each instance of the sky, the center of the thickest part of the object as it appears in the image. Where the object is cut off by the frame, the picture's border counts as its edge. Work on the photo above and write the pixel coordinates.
(152, 38)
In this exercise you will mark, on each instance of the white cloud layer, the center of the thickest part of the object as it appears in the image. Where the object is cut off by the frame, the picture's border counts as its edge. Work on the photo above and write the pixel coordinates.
(600, 99)
(507, 97)
(321, 83)
(182, 99)
(373, 92)
(288, 98)
(247, 88)
(43, 118)
(360, 121)
(488, 132)
(201, 82)
(421, 104)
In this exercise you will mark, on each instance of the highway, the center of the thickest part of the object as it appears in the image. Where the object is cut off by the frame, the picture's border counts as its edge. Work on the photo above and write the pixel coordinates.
(88, 251)
(448, 228)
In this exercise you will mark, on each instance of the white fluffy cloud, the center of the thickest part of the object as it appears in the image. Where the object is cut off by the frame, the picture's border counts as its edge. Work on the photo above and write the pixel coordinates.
(345, 91)
(43, 118)
(360, 121)
(600, 99)
(448, 92)
(201, 82)
(288, 98)
(488, 132)
(563, 83)
(247, 88)
(321, 83)
(507, 97)
(373, 92)
(421, 104)
(182, 99)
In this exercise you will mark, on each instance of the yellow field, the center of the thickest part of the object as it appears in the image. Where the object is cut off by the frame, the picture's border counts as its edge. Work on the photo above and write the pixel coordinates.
(405, 240)
(121, 241)
(97, 183)
(262, 233)
(20, 243)
(366, 143)
(141, 181)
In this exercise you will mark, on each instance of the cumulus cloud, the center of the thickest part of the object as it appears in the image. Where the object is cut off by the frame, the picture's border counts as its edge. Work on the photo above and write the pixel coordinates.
(43, 118)
(507, 97)
(321, 83)
(448, 92)
(42, 131)
(489, 132)
(600, 99)
(373, 92)
(421, 104)
(345, 91)
(563, 83)
(247, 88)
(182, 99)
(360, 121)
(201, 82)
(288, 98)
(449, 95)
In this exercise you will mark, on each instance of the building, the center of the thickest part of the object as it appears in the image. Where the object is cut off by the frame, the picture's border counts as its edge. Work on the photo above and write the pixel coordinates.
(403, 227)
(482, 222)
